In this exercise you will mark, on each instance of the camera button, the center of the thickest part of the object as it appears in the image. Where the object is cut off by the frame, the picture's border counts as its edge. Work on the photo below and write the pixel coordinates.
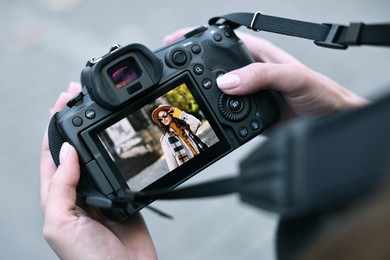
(219, 74)
(195, 31)
(243, 132)
(228, 34)
(235, 104)
(207, 83)
(198, 69)
(255, 125)
(217, 37)
(75, 99)
(77, 121)
(234, 108)
(196, 49)
(179, 58)
(90, 114)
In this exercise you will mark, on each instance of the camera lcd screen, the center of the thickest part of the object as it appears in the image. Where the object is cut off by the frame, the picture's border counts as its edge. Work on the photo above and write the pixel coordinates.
(124, 72)
(160, 137)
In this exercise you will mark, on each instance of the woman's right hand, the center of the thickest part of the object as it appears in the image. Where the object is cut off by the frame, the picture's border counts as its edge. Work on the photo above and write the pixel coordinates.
(304, 92)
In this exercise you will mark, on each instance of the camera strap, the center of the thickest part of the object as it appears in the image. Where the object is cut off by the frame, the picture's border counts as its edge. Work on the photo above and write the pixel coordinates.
(208, 189)
(211, 188)
(328, 35)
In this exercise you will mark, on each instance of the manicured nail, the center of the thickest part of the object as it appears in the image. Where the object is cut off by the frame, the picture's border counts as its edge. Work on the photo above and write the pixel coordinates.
(73, 86)
(167, 39)
(64, 152)
(228, 81)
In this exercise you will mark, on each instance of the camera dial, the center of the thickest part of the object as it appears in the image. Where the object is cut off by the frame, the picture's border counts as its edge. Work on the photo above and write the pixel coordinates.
(233, 108)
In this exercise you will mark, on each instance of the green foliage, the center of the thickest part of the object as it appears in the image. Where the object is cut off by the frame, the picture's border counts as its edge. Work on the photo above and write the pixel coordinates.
(182, 98)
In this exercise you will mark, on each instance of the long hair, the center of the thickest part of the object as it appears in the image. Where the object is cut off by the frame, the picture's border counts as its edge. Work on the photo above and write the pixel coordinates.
(181, 124)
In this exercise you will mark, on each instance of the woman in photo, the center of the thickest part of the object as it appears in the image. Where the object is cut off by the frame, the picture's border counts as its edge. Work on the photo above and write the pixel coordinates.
(179, 141)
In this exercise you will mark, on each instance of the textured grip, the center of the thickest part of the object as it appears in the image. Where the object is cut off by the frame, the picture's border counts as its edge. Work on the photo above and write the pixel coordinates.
(55, 140)
(215, 55)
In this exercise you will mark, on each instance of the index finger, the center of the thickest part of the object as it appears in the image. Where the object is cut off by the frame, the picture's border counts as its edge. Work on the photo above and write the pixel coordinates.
(264, 51)
(170, 38)
(261, 49)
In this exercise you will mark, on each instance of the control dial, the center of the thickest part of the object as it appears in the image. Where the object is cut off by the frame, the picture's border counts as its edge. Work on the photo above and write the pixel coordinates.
(234, 108)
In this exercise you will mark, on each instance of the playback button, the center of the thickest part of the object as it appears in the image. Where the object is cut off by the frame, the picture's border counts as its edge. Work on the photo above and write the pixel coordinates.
(243, 132)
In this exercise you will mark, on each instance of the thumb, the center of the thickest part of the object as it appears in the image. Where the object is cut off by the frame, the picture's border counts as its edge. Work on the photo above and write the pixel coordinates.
(61, 197)
(285, 78)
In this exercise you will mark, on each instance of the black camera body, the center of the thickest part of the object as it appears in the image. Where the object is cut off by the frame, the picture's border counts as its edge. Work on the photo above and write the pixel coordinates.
(111, 126)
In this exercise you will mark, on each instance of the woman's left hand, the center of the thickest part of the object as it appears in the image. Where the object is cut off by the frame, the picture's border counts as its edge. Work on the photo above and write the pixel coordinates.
(69, 230)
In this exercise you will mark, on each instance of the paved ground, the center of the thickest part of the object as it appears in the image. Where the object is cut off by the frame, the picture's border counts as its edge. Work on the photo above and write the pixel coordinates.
(44, 44)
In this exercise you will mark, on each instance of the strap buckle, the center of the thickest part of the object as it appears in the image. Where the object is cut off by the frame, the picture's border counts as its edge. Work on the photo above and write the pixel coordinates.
(352, 37)
(254, 20)
(333, 35)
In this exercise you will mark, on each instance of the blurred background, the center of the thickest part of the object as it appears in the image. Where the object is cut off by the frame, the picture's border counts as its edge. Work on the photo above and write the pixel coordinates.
(44, 45)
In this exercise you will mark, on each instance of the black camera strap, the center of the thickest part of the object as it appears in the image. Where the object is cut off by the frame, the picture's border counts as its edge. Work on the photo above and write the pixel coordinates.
(325, 35)
(211, 188)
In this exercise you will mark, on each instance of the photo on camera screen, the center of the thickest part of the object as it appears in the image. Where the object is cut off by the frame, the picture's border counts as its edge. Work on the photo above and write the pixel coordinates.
(156, 139)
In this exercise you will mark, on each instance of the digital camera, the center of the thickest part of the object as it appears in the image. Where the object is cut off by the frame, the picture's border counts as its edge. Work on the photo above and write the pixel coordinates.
(119, 127)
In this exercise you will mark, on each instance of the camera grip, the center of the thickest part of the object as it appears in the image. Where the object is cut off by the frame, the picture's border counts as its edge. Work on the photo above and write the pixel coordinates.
(226, 55)
(55, 140)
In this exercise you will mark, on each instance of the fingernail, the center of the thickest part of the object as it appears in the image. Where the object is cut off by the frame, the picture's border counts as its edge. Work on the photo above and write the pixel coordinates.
(73, 85)
(228, 81)
(167, 39)
(64, 152)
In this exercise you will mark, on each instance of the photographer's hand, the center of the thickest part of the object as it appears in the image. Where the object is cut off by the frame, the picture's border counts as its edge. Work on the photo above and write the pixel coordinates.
(304, 91)
(69, 230)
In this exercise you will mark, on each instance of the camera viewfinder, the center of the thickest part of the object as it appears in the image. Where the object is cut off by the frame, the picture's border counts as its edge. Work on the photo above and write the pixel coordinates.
(124, 72)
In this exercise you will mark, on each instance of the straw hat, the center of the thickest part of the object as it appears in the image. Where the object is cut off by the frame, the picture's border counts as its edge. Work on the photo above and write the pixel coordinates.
(158, 110)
